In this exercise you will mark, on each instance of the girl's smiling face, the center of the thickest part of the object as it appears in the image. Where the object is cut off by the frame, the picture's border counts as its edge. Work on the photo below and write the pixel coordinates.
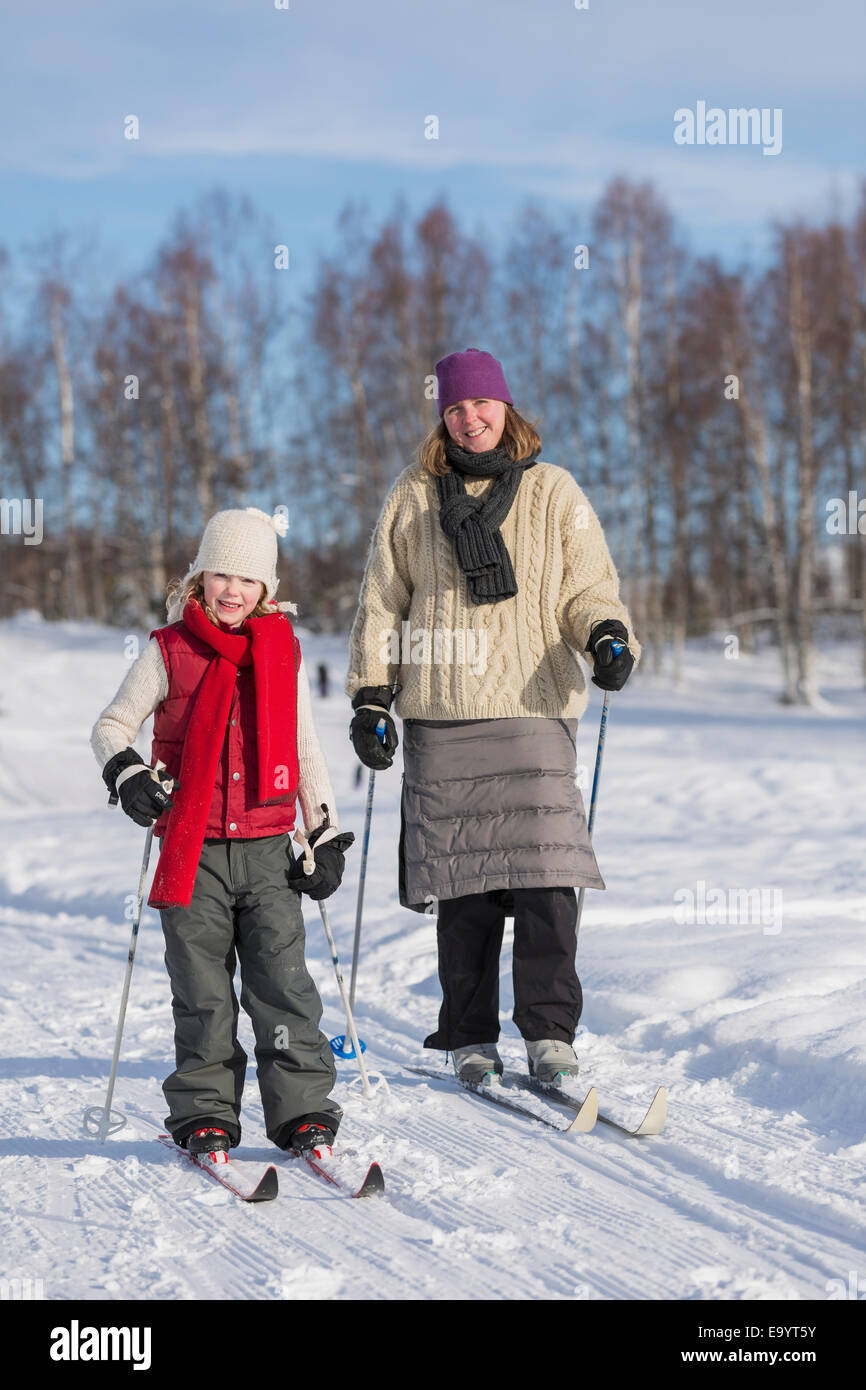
(230, 596)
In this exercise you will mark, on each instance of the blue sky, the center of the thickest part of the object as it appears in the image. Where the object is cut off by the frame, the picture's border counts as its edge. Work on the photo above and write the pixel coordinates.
(304, 107)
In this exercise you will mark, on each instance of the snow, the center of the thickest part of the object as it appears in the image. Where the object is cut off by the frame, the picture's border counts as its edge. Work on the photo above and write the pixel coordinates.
(753, 1016)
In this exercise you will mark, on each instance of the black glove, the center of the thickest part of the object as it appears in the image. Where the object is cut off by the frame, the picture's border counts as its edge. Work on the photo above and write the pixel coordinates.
(612, 668)
(329, 859)
(362, 730)
(141, 796)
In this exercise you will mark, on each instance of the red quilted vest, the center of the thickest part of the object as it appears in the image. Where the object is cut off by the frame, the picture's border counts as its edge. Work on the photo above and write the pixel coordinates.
(234, 812)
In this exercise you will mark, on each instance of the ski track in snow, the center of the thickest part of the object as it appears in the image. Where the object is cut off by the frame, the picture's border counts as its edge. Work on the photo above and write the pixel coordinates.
(755, 1190)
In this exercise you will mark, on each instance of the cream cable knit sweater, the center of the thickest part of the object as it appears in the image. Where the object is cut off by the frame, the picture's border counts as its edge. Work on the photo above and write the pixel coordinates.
(456, 660)
(146, 686)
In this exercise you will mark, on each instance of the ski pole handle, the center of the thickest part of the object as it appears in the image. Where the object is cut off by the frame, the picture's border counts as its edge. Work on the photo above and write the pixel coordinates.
(166, 783)
(615, 646)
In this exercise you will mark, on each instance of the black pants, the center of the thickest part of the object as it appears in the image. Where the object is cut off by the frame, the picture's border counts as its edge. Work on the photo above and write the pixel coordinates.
(547, 994)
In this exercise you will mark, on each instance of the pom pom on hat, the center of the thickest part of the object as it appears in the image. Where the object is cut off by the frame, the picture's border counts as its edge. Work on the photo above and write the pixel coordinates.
(279, 521)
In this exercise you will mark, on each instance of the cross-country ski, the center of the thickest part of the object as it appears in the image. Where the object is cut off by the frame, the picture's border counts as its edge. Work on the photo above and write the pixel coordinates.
(521, 1101)
(653, 1121)
(218, 1166)
(334, 1169)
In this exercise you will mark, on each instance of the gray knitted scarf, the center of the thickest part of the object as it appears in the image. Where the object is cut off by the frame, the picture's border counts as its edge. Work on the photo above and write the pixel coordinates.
(473, 522)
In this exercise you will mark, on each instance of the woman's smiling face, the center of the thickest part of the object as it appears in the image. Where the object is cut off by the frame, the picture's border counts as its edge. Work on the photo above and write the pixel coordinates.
(476, 424)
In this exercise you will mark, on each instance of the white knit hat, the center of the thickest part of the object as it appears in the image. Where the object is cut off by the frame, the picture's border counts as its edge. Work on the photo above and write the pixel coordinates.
(242, 542)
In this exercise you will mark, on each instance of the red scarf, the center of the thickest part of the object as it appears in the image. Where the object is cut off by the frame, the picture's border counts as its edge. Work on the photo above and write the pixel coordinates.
(269, 646)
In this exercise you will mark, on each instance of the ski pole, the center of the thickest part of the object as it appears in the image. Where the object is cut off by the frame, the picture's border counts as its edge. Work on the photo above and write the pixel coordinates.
(350, 1022)
(338, 1044)
(380, 733)
(594, 798)
(100, 1120)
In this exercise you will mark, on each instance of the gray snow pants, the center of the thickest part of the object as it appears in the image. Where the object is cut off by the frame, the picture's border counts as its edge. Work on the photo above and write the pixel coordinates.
(242, 908)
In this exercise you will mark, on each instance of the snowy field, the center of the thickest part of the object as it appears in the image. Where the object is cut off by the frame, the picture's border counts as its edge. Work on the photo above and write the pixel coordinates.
(754, 1020)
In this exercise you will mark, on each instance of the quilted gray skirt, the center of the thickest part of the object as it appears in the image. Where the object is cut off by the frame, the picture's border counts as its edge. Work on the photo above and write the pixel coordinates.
(491, 804)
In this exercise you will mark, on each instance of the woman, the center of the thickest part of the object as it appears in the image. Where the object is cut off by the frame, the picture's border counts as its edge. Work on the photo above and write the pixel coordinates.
(487, 570)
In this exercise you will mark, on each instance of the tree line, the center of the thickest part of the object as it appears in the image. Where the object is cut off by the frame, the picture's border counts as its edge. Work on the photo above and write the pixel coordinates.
(715, 417)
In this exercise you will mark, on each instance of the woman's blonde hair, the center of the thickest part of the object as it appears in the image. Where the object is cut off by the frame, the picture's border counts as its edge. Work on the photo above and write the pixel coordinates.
(180, 591)
(519, 439)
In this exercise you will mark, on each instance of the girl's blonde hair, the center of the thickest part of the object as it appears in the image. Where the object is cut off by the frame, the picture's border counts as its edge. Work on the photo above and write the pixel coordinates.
(519, 439)
(180, 591)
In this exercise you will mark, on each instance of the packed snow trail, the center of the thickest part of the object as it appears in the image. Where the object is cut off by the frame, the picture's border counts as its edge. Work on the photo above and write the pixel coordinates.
(756, 1026)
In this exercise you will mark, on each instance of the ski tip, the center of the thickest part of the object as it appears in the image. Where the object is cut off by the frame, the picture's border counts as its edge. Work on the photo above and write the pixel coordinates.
(373, 1184)
(586, 1116)
(267, 1189)
(654, 1120)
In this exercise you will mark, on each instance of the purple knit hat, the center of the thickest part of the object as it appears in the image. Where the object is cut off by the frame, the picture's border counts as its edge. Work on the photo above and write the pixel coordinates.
(462, 375)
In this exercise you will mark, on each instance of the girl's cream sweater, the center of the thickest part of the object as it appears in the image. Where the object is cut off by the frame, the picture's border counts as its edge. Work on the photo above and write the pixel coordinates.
(457, 660)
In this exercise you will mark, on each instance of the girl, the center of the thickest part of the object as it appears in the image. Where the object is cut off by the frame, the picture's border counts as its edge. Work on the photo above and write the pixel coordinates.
(233, 726)
(502, 556)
